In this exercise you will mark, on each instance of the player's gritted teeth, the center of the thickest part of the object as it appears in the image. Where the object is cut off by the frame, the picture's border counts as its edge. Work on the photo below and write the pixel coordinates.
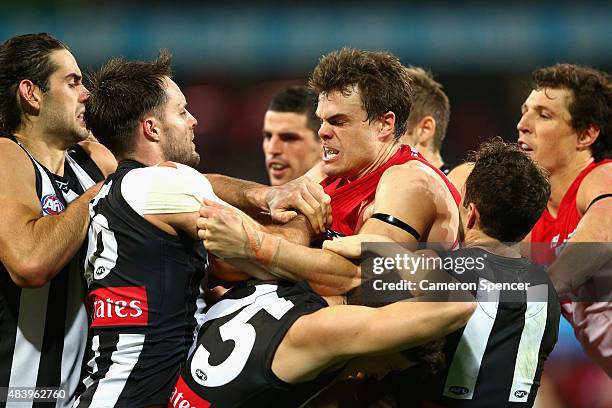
(277, 168)
(524, 146)
(329, 153)
(81, 118)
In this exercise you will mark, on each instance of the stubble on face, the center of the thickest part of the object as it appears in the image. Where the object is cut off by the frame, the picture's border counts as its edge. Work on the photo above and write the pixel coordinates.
(64, 100)
(177, 125)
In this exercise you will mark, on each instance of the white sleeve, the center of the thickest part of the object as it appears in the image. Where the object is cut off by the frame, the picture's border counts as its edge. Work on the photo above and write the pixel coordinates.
(166, 188)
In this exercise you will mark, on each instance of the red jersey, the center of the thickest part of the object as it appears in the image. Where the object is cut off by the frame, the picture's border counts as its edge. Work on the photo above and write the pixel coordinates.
(349, 199)
(557, 231)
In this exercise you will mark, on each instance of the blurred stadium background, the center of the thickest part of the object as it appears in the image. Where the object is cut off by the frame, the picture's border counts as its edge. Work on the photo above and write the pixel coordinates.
(230, 57)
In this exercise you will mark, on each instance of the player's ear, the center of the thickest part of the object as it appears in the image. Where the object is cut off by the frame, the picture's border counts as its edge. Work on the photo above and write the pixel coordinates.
(425, 130)
(151, 129)
(386, 125)
(472, 217)
(30, 95)
(587, 137)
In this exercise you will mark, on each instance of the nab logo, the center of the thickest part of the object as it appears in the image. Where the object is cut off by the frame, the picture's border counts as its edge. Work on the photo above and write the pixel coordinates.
(201, 375)
(520, 393)
(51, 205)
(458, 390)
(101, 272)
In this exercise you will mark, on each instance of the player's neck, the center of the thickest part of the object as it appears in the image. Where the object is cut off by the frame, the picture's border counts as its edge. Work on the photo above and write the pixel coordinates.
(561, 179)
(476, 238)
(47, 151)
(384, 154)
(433, 157)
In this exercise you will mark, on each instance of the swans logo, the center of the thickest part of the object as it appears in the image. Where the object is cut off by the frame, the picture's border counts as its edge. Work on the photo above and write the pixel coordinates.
(51, 205)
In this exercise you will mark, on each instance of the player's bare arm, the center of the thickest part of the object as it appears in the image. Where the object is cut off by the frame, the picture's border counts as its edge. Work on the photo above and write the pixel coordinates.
(577, 263)
(32, 247)
(335, 334)
(282, 202)
(104, 159)
(240, 240)
(416, 196)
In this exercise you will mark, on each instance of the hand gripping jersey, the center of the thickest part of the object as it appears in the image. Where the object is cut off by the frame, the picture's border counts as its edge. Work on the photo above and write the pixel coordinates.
(348, 200)
(145, 294)
(231, 366)
(497, 359)
(592, 321)
(43, 331)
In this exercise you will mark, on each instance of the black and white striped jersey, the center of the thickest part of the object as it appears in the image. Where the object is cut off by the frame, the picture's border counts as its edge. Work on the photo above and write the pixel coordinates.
(144, 290)
(497, 359)
(232, 365)
(43, 331)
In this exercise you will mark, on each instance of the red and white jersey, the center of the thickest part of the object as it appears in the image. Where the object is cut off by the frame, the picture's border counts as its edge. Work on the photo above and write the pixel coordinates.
(592, 321)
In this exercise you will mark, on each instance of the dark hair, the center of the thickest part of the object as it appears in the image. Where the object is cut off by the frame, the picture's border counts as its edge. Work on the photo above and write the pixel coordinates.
(121, 94)
(428, 99)
(591, 99)
(23, 57)
(509, 190)
(379, 76)
(298, 99)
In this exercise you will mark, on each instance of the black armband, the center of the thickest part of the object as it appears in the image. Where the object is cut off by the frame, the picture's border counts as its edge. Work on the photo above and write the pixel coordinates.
(396, 222)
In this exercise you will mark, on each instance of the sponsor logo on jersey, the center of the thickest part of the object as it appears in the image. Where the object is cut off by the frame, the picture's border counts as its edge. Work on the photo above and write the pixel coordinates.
(118, 306)
(183, 397)
(520, 393)
(51, 205)
(458, 390)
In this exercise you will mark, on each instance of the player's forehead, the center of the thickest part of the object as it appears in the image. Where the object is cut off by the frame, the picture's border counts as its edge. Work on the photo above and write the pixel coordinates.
(65, 64)
(346, 102)
(173, 92)
(557, 99)
(285, 120)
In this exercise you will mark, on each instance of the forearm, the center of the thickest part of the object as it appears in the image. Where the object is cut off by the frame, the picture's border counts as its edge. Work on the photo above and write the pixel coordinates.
(587, 251)
(577, 263)
(327, 272)
(298, 230)
(251, 269)
(48, 243)
(411, 324)
(246, 195)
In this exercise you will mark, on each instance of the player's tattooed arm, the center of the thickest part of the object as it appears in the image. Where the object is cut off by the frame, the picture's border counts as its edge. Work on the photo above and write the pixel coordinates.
(235, 238)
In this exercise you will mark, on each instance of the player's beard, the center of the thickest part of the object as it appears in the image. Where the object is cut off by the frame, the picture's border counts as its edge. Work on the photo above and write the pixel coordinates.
(180, 150)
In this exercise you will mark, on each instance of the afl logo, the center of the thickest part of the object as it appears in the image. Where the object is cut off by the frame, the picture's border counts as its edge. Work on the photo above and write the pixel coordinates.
(201, 375)
(520, 393)
(458, 390)
(101, 272)
(51, 205)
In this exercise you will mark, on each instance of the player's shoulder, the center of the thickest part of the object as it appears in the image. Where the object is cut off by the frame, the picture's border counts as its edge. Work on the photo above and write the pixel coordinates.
(594, 184)
(410, 176)
(458, 175)
(14, 160)
(601, 174)
(100, 155)
(412, 169)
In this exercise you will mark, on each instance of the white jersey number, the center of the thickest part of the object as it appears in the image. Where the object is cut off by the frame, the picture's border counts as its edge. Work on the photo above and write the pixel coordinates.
(237, 329)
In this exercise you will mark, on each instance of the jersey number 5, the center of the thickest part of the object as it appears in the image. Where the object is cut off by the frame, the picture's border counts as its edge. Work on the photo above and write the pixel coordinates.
(241, 332)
